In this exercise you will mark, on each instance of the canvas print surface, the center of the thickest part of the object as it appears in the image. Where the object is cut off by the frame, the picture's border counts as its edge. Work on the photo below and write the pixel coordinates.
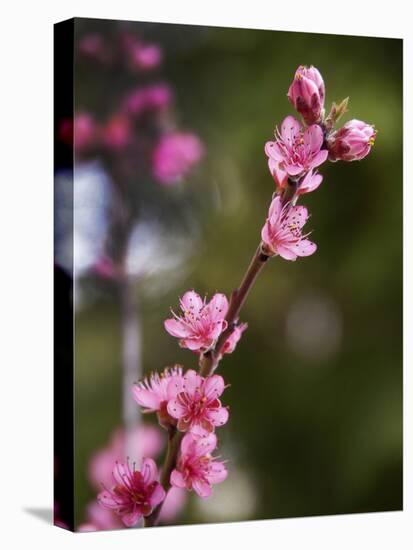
(228, 274)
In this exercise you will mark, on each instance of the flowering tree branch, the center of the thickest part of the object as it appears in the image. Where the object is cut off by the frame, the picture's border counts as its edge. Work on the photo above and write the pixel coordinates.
(209, 360)
(188, 403)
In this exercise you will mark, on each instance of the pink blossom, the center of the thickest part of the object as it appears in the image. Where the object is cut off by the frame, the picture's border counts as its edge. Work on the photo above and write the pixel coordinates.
(282, 232)
(294, 152)
(135, 494)
(116, 133)
(81, 132)
(145, 56)
(196, 468)
(201, 322)
(173, 504)
(99, 519)
(197, 405)
(175, 155)
(307, 93)
(148, 441)
(233, 339)
(351, 142)
(147, 99)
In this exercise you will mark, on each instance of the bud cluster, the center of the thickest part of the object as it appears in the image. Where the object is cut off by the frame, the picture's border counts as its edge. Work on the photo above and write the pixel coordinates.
(295, 154)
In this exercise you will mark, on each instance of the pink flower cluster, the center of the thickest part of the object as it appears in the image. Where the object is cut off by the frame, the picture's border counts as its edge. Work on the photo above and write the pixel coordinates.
(294, 156)
(193, 405)
(175, 155)
(189, 402)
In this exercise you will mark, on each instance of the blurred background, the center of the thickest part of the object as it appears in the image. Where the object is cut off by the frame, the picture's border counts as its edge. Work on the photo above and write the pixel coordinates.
(171, 191)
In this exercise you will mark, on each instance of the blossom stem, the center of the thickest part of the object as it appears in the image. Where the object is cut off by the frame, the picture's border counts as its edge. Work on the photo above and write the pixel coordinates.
(174, 443)
(209, 361)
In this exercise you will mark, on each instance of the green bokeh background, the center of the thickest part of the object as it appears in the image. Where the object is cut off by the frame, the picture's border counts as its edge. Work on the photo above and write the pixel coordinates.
(317, 433)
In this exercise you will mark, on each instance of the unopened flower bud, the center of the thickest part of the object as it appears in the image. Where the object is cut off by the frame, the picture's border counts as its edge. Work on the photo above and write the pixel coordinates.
(351, 142)
(307, 93)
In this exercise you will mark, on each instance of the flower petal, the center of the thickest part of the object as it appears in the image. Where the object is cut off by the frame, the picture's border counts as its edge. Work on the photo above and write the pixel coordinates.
(218, 417)
(177, 479)
(218, 307)
(188, 443)
(202, 488)
(130, 520)
(290, 130)
(195, 344)
(273, 151)
(121, 473)
(157, 496)
(297, 216)
(174, 386)
(286, 253)
(176, 409)
(149, 471)
(313, 139)
(146, 398)
(217, 472)
(192, 382)
(319, 158)
(105, 499)
(192, 301)
(305, 248)
(293, 169)
(206, 444)
(310, 183)
(214, 386)
(177, 328)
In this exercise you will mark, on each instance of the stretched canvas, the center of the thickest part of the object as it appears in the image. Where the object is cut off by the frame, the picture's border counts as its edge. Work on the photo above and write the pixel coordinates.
(228, 274)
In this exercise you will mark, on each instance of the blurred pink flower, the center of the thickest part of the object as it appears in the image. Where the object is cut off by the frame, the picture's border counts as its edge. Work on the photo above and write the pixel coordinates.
(295, 152)
(106, 268)
(196, 468)
(148, 439)
(135, 494)
(92, 45)
(175, 155)
(307, 93)
(233, 339)
(149, 98)
(81, 132)
(201, 322)
(116, 133)
(197, 405)
(100, 519)
(145, 56)
(282, 232)
(351, 142)
(173, 504)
